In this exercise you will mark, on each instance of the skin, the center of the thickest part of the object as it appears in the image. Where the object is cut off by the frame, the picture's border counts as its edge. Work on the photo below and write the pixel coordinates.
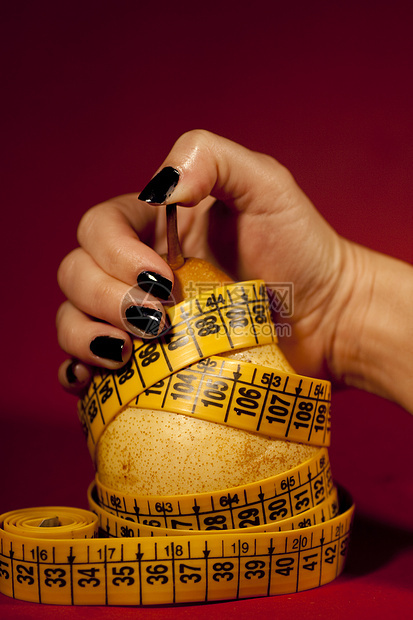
(350, 323)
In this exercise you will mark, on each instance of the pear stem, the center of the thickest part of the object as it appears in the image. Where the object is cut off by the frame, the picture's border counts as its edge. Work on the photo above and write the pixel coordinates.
(175, 257)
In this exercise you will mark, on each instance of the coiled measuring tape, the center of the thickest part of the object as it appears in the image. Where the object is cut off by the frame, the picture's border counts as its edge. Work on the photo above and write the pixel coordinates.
(279, 535)
(175, 567)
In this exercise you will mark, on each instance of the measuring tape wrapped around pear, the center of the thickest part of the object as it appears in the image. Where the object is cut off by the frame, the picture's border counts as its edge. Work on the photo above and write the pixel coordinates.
(219, 363)
(213, 480)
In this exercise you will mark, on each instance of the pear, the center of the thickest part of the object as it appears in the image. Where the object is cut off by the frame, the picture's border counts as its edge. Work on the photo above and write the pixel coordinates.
(148, 452)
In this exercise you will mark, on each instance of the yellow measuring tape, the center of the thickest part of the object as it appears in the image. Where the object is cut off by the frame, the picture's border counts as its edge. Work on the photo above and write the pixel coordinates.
(115, 526)
(266, 501)
(279, 535)
(168, 569)
(242, 395)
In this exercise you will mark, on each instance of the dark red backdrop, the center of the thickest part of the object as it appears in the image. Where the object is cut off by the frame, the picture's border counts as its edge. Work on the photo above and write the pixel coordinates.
(94, 95)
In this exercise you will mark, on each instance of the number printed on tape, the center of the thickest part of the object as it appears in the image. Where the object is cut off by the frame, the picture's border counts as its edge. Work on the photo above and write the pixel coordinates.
(246, 396)
(267, 501)
(283, 534)
(169, 569)
(199, 328)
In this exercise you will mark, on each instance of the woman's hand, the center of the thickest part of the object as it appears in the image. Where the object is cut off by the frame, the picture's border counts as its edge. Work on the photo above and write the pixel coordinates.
(105, 304)
(248, 216)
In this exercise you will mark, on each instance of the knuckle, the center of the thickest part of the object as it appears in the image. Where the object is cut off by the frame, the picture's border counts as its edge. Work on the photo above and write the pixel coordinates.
(196, 141)
(60, 314)
(197, 136)
(276, 175)
(87, 223)
(115, 258)
(65, 329)
(98, 301)
(284, 176)
(107, 251)
(66, 269)
(199, 150)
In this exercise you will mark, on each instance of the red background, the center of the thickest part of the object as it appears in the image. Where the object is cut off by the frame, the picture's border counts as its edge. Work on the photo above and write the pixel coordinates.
(94, 95)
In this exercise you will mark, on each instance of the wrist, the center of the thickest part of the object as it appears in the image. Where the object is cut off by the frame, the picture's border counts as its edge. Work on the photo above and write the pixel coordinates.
(372, 348)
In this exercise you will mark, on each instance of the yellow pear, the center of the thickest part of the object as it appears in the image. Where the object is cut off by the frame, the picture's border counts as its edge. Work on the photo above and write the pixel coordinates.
(148, 452)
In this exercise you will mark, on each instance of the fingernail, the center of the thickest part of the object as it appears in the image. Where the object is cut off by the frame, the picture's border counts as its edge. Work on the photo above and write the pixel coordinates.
(70, 373)
(155, 284)
(107, 347)
(160, 187)
(148, 320)
(76, 372)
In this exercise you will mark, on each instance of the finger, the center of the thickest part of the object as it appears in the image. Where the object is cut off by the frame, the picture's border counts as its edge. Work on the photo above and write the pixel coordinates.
(90, 341)
(201, 164)
(108, 233)
(266, 216)
(101, 296)
(75, 377)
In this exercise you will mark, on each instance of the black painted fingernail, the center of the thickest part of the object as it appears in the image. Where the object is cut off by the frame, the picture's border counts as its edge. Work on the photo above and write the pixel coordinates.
(148, 320)
(107, 347)
(160, 187)
(70, 373)
(155, 284)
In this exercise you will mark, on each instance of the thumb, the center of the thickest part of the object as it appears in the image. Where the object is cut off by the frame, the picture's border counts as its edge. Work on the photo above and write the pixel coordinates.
(267, 228)
(202, 164)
